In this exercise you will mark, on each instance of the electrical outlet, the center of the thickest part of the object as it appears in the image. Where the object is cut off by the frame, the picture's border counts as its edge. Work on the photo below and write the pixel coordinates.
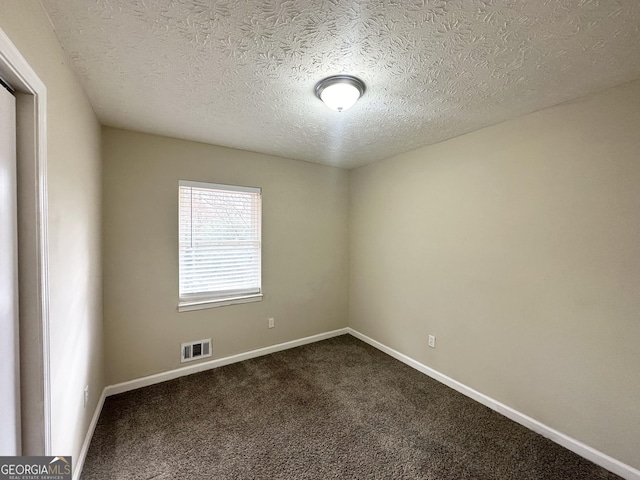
(272, 322)
(86, 395)
(432, 341)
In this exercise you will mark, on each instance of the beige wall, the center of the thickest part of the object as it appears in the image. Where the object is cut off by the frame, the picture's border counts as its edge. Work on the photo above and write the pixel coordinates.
(305, 248)
(518, 246)
(74, 226)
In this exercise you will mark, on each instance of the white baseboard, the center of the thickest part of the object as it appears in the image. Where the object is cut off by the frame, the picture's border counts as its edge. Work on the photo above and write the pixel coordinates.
(582, 449)
(79, 463)
(220, 362)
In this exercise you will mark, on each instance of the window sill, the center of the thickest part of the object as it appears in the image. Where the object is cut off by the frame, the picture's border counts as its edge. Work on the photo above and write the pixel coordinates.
(190, 305)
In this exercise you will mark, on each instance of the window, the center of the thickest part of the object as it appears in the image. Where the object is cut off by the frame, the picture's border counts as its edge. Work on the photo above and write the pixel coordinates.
(219, 245)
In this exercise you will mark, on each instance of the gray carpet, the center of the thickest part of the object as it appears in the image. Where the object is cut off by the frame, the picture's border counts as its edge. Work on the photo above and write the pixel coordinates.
(337, 409)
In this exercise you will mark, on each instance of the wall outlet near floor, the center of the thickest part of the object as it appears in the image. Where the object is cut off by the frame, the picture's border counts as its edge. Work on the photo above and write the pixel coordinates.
(432, 341)
(86, 396)
(272, 322)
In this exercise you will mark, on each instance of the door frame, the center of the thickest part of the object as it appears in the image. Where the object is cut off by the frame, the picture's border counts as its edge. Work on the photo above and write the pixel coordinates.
(33, 264)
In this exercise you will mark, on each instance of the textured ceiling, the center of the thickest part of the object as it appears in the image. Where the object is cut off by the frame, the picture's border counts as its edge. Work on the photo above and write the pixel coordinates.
(241, 73)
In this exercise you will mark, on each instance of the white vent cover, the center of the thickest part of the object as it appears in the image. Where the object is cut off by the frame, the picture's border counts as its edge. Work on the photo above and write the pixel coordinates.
(195, 350)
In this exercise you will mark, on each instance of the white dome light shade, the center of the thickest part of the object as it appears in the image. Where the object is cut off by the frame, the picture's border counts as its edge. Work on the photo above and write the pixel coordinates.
(340, 96)
(340, 91)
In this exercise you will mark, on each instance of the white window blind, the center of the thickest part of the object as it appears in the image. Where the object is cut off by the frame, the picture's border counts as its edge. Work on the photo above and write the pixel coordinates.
(219, 243)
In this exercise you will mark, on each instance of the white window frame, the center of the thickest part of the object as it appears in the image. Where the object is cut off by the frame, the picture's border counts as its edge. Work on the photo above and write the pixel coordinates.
(201, 300)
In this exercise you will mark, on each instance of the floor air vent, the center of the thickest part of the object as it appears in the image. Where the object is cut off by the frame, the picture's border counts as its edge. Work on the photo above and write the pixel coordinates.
(196, 350)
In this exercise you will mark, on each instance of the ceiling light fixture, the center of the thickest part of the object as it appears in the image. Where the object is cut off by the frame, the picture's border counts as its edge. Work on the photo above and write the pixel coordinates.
(339, 92)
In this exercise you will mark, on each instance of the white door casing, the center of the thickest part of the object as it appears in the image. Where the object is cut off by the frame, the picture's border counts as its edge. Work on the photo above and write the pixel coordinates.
(33, 277)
